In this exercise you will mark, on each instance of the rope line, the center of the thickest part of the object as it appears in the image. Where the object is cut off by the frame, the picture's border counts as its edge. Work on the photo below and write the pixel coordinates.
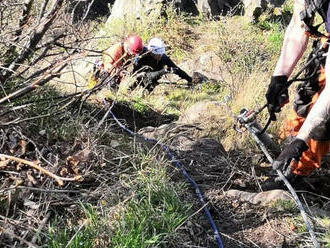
(287, 184)
(178, 165)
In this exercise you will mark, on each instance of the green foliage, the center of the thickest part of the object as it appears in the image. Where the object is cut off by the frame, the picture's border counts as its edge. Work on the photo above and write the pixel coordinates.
(140, 106)
(238, 47)
(325, 223)
(326, 239)
(276, 40)
(288, 6)
(285, 205)
(148, 219)
(82, 236)
(212, 88)
(153, 215)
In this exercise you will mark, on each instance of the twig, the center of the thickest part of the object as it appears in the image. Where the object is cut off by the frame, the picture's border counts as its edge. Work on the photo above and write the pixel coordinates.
(236, 240)
(40, 227)
(308, 192)
(60, 191)
(189, 217)
(17, 237)
(105, 116)
(58, 179)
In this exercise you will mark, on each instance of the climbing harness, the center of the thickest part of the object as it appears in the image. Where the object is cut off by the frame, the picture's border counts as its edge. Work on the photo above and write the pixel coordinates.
(177, 164)
(246, 120)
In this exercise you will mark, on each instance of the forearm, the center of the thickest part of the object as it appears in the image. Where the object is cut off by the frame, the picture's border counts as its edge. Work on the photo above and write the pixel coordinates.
(184, 75)
(170, 64)
(317, 117)
(294, 44)
(156, 74)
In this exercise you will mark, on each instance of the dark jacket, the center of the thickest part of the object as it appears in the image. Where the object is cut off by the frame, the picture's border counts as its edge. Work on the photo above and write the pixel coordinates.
(155, 69)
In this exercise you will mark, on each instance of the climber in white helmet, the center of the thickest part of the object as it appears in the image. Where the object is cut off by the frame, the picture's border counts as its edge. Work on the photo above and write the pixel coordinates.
(155, 63)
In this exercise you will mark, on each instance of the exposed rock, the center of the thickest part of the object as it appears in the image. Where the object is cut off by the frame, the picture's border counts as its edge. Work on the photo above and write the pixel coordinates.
(204, 113)
(254, 8)
(88, 9)
(183, 138)
(262, 198)
(207, 64)
(188, 6)
(122, 9)
(136, 7)
(215, 7)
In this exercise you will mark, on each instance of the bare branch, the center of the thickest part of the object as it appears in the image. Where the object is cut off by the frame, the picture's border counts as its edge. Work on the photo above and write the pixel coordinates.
(35, 165)
(34, 39)
(54, 71)
(42, 10)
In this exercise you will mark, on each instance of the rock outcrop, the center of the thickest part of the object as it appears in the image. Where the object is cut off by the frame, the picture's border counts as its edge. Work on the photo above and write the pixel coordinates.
(89, 9)
(254, 8)
(136, 7)
(121, 9)
(215, 7)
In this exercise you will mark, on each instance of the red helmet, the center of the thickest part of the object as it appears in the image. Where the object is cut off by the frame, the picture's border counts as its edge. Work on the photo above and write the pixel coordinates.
(134, 44)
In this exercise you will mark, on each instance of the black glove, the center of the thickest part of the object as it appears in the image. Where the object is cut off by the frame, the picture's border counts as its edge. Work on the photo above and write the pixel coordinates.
(277, 95)
(293, 151)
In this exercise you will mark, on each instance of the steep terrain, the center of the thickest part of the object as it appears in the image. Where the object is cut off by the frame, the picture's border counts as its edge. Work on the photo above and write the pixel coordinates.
(123, 191)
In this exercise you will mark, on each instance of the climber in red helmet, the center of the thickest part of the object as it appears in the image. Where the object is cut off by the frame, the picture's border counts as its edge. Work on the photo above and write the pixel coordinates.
(117, 57)
(115, 61)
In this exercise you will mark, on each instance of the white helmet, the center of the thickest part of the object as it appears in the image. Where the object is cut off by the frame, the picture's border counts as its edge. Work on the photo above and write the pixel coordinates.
(156, 46)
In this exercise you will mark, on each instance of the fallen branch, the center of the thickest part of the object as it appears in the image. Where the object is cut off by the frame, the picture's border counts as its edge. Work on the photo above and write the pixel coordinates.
(34, 165)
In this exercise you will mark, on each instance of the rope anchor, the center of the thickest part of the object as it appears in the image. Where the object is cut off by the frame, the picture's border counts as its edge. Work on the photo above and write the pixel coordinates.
(247, 121)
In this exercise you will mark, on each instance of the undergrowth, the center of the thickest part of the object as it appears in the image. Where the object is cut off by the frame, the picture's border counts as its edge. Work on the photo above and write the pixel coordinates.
(148, 218)
(137, 204)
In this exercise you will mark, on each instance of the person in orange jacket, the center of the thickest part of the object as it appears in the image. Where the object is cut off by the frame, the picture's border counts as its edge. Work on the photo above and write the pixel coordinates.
(309, 125)
(115, 61)
(118, 56)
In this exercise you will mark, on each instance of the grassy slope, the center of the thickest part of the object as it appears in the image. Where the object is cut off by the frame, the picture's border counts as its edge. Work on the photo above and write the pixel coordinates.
(152, 211)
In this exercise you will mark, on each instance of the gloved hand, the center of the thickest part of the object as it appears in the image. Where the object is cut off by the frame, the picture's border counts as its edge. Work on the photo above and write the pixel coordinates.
(293, 151)
(277, 95)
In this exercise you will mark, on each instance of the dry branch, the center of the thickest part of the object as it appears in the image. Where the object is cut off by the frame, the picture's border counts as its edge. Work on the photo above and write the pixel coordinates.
(54, 71)
(35, 38)
(34, 165)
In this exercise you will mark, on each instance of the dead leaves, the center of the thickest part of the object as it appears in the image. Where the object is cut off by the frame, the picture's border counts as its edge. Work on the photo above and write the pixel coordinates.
(71, 167)
(73, 162)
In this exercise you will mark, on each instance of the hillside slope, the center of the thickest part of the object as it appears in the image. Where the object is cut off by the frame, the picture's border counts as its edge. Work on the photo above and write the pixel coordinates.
(121, 190)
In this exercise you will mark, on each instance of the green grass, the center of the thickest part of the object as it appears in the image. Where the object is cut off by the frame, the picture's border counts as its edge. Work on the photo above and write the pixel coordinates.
(151, 217)
(285, 205)
(140, 106)
(325, 223)
(148, 219)
(82, 236)
(326, 239)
